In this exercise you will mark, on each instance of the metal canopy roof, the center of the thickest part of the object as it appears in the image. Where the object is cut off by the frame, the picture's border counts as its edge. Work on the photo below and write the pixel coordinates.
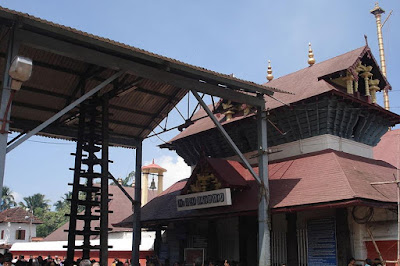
(68, 63)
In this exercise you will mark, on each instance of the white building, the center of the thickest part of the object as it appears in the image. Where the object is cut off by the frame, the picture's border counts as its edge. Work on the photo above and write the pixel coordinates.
(16, 225)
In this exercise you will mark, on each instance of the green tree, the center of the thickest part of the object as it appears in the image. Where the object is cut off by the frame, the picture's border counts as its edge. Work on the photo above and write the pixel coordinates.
(35, 202)
(52, 220)
(7, 200)
(65, 204)
(64, 201)
(128, 180)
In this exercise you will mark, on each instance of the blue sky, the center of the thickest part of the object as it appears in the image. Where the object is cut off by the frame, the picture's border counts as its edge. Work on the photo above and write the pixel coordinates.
(227, 36)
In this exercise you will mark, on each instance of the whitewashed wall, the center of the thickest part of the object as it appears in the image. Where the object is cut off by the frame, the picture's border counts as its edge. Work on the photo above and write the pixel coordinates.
(11, 228)
(383, 226)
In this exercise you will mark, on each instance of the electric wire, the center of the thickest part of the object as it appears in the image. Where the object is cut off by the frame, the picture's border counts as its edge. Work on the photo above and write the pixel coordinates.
(48, 142)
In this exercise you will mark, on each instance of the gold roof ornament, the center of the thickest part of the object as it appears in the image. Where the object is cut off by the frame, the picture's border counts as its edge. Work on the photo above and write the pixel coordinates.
(311, 59)
(269, 71)
(377, 10)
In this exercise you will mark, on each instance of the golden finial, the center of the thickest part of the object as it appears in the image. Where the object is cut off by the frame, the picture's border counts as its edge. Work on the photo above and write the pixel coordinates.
(311, 59)
(269, 71)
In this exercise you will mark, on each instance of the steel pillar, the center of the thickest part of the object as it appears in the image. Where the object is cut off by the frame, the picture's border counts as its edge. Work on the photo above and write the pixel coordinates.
(264, 234)
(92, 139)
(137, 229)
(75, 188)
(226, 135)
(12, 51)
(264, 238)
(104, 185)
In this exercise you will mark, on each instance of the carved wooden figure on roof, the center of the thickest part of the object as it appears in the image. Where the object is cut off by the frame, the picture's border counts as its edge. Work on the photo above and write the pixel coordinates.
(373, 87)
(349, 82)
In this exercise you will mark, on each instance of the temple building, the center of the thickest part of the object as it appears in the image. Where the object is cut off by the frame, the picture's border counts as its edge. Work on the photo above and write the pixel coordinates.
(325, 198)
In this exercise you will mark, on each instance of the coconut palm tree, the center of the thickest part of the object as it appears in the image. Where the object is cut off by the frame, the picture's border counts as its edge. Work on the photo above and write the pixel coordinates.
(63, 202)
(36, 201)
(7, 199)
(128, 180)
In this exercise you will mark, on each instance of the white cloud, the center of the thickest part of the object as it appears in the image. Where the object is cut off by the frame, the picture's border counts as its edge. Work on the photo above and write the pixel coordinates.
(177, 169)
(17, 197)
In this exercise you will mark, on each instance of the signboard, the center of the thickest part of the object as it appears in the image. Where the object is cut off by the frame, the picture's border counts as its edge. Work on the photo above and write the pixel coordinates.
(208, 199)
(194, 255)
(321, 235)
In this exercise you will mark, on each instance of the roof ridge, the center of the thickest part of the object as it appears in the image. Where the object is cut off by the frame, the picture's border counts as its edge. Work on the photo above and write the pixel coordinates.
(316, 64)
(346, 178)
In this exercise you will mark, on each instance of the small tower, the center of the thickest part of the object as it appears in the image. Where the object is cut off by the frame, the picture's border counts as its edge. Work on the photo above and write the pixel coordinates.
(311, 59)
(269, 71)
(147, 170)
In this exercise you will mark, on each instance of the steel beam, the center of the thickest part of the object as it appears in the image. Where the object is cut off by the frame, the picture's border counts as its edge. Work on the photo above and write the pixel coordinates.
(64, 111)
(264, 234)
(145, 71)
(137, 228)
(71, 132)
(12, 51)
(52, 110)
(121, 188)
(226, 136)
(65, 97)
(104, 184)
(158, 61)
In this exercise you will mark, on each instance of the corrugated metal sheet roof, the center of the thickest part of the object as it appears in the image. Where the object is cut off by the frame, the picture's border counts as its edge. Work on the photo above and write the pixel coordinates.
(57, 80)
(122, 45)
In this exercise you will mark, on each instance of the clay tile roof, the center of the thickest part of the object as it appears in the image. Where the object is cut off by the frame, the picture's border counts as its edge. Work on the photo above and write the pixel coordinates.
(329, 176)
(388, 149)
(119, 204)
(303, 84)
(154, 166)
(232, 172)
(323, 177)
(17, 215)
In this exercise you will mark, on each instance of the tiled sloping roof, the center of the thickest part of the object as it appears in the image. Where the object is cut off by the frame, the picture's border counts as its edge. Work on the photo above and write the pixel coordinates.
(388, 149)
(303, 84)
(119, 204)
(154, 166)
(17, 215)
(230, 173)
(316, 178)
(328, 176)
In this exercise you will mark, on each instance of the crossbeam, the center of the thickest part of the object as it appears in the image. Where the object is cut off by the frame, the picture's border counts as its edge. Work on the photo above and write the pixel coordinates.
(64, 111)
(99, 58)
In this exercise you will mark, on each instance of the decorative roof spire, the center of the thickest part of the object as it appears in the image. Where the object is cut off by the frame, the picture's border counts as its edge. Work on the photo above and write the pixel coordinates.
(269, 71)
(311, 59)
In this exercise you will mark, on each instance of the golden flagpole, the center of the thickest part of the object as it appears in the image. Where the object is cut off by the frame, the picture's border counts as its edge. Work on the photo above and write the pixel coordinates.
(377, 11)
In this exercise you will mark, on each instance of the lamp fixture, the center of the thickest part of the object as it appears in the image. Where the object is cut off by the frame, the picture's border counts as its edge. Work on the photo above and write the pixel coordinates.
(20, 71)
